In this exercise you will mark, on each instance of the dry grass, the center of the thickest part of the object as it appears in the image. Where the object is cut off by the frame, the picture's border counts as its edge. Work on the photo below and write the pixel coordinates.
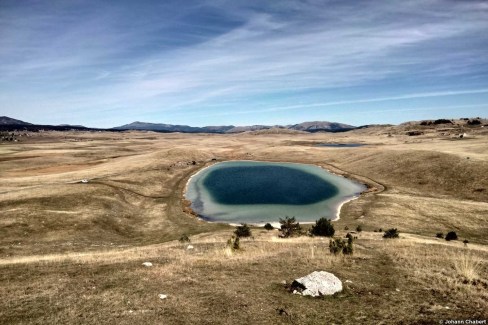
(72, 253)
(469, 266)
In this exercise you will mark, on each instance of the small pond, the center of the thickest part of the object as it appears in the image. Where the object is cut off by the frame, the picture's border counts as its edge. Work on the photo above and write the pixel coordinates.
(259, 192)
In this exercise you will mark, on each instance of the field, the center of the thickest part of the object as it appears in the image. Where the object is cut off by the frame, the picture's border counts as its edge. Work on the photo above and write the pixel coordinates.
(72, 251)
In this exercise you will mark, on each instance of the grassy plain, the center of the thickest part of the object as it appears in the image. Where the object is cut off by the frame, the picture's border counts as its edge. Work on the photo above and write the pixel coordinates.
(71, 252)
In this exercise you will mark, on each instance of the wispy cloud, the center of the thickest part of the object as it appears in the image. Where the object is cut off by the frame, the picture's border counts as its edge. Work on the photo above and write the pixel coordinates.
(87, 58)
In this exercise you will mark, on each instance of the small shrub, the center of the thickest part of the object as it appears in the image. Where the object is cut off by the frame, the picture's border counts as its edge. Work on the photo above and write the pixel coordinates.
(346, 228)
(322, 227)
(290, 227)
(184, 239)
(234, 243)
(474, 122)
(348, 249)
(338, 245)
(466, 242)
(381, 230)
(391, 233)
(451, 235)
(359, 228)
(243, 231)
(439, 235)
(442, 121)
(268, 226)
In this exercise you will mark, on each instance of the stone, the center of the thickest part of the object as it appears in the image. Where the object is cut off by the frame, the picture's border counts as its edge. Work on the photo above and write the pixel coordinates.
(147, 264)
(189, 247)
(162, 296)
(316, 284)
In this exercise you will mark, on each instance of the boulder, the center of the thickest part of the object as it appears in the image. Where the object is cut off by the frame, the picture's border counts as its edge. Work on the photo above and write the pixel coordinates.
(318, 283)
(147, 264)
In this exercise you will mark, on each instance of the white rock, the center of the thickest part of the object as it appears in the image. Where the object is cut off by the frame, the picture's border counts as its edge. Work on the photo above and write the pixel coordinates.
(190, 247)
(348, 281)
(147, 264)
(162, 297)
(318, 283)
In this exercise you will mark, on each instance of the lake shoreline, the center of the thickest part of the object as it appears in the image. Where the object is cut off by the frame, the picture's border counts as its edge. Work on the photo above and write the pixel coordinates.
(368, 188)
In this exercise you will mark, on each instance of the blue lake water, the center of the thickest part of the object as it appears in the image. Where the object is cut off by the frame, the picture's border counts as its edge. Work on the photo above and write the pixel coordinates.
(259, 192)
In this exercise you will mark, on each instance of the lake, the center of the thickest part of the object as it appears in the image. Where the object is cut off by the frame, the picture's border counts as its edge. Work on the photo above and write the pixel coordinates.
(259, 192)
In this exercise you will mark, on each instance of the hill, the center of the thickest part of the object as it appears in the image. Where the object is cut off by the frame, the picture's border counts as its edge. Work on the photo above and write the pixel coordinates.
(5, 120)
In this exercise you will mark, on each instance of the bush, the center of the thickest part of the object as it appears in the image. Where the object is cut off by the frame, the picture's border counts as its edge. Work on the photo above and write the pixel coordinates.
(359, 228)
(243, 231)
(322, 227)
(268, 226)
(474, 122)
(391, 233)
(439, 235)
(381, 230)
(338, 245)
(184, 239)
(348, 249)
(289, 227)
(451, 235)
(442, 121)
(234, 243)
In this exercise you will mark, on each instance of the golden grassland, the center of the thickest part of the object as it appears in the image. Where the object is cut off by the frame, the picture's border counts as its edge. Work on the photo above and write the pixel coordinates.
(72, 252)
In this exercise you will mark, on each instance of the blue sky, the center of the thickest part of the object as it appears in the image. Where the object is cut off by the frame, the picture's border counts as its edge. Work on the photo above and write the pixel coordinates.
(241, 62)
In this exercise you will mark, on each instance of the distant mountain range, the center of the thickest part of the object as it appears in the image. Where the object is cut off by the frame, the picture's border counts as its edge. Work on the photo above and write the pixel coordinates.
(7, 123)
(316, 126)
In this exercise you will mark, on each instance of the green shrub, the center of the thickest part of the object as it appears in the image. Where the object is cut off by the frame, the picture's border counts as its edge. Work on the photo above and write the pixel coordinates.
(234, 243)
(348, 249)
(322, 227)
(451, 235)
(243, 231)
(268, 226)
(359, 228)
(184, 239)
(391, 233)
(289, 227)
(338, 245)
(439, 235)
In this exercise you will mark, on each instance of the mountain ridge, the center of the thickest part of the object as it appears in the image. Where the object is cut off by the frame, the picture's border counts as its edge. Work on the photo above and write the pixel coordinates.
(8, 123)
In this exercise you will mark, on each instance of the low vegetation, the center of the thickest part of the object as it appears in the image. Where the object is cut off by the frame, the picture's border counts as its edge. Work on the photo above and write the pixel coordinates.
(290, 227)
(72, 253)
(391, 233)
(339, 245)
(243, 231)
(322, 227)
(451, 235)
(184, 239)
(268, 226)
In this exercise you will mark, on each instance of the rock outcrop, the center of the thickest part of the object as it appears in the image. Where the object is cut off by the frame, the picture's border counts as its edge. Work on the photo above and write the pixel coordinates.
(318, 283)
